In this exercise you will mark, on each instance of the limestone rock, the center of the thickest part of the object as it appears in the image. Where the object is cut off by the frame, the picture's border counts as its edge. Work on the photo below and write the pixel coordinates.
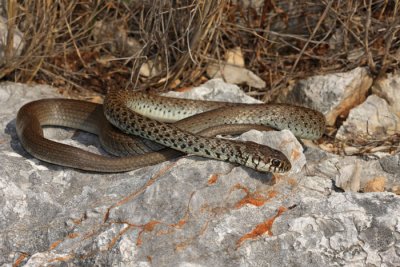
(234, 74)
(352, 174)
(388, 88)
(371, 120)
(332, 94)
(190, 211)
(216, 90)
(391, 164)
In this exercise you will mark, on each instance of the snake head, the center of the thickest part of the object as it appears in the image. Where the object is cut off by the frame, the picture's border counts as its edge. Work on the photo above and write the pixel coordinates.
(266, 159)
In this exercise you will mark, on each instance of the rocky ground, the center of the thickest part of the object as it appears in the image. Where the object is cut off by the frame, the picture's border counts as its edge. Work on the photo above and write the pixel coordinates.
(331, 209)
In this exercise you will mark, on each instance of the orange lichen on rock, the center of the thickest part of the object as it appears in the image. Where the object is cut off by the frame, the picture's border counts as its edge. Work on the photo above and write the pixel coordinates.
(262, 228)
(114, 240)
(295, 155)
(252, 199)
(292, 182)
(375, 185)
(148, 227)
(179, 224)
(255, 199)
(213, 179)
(73, 235)
(20, 259)
(54, 244)
(63, 259)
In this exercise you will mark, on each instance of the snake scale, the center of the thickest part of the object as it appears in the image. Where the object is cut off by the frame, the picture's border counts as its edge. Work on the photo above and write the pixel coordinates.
(153, 117)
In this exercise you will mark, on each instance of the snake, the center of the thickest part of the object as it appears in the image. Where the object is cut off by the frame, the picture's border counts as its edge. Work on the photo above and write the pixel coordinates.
(130, 123)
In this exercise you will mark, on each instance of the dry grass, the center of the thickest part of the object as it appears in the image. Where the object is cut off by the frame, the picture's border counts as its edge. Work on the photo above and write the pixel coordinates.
(281, 41)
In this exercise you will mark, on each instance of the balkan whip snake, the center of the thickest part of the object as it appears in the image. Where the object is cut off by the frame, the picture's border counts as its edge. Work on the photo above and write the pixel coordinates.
(139, 114)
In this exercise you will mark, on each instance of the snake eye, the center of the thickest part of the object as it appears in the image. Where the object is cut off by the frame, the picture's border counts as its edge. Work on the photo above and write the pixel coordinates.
(276, 162)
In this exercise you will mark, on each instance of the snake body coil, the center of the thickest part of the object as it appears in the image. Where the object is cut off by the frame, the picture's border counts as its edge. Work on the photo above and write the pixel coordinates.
(135, 113)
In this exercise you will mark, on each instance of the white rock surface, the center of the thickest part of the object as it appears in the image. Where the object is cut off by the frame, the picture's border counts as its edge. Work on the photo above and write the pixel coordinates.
(234, 74)
(188, 212)
(372, 120)
(388, 88)
(216, 90)
(332, 94)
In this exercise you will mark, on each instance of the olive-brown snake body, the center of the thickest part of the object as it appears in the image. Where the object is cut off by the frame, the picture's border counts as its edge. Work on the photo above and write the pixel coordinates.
(124, 110)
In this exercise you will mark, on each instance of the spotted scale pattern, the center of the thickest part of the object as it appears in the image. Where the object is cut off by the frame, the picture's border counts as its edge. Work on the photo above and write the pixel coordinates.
(127, 111)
